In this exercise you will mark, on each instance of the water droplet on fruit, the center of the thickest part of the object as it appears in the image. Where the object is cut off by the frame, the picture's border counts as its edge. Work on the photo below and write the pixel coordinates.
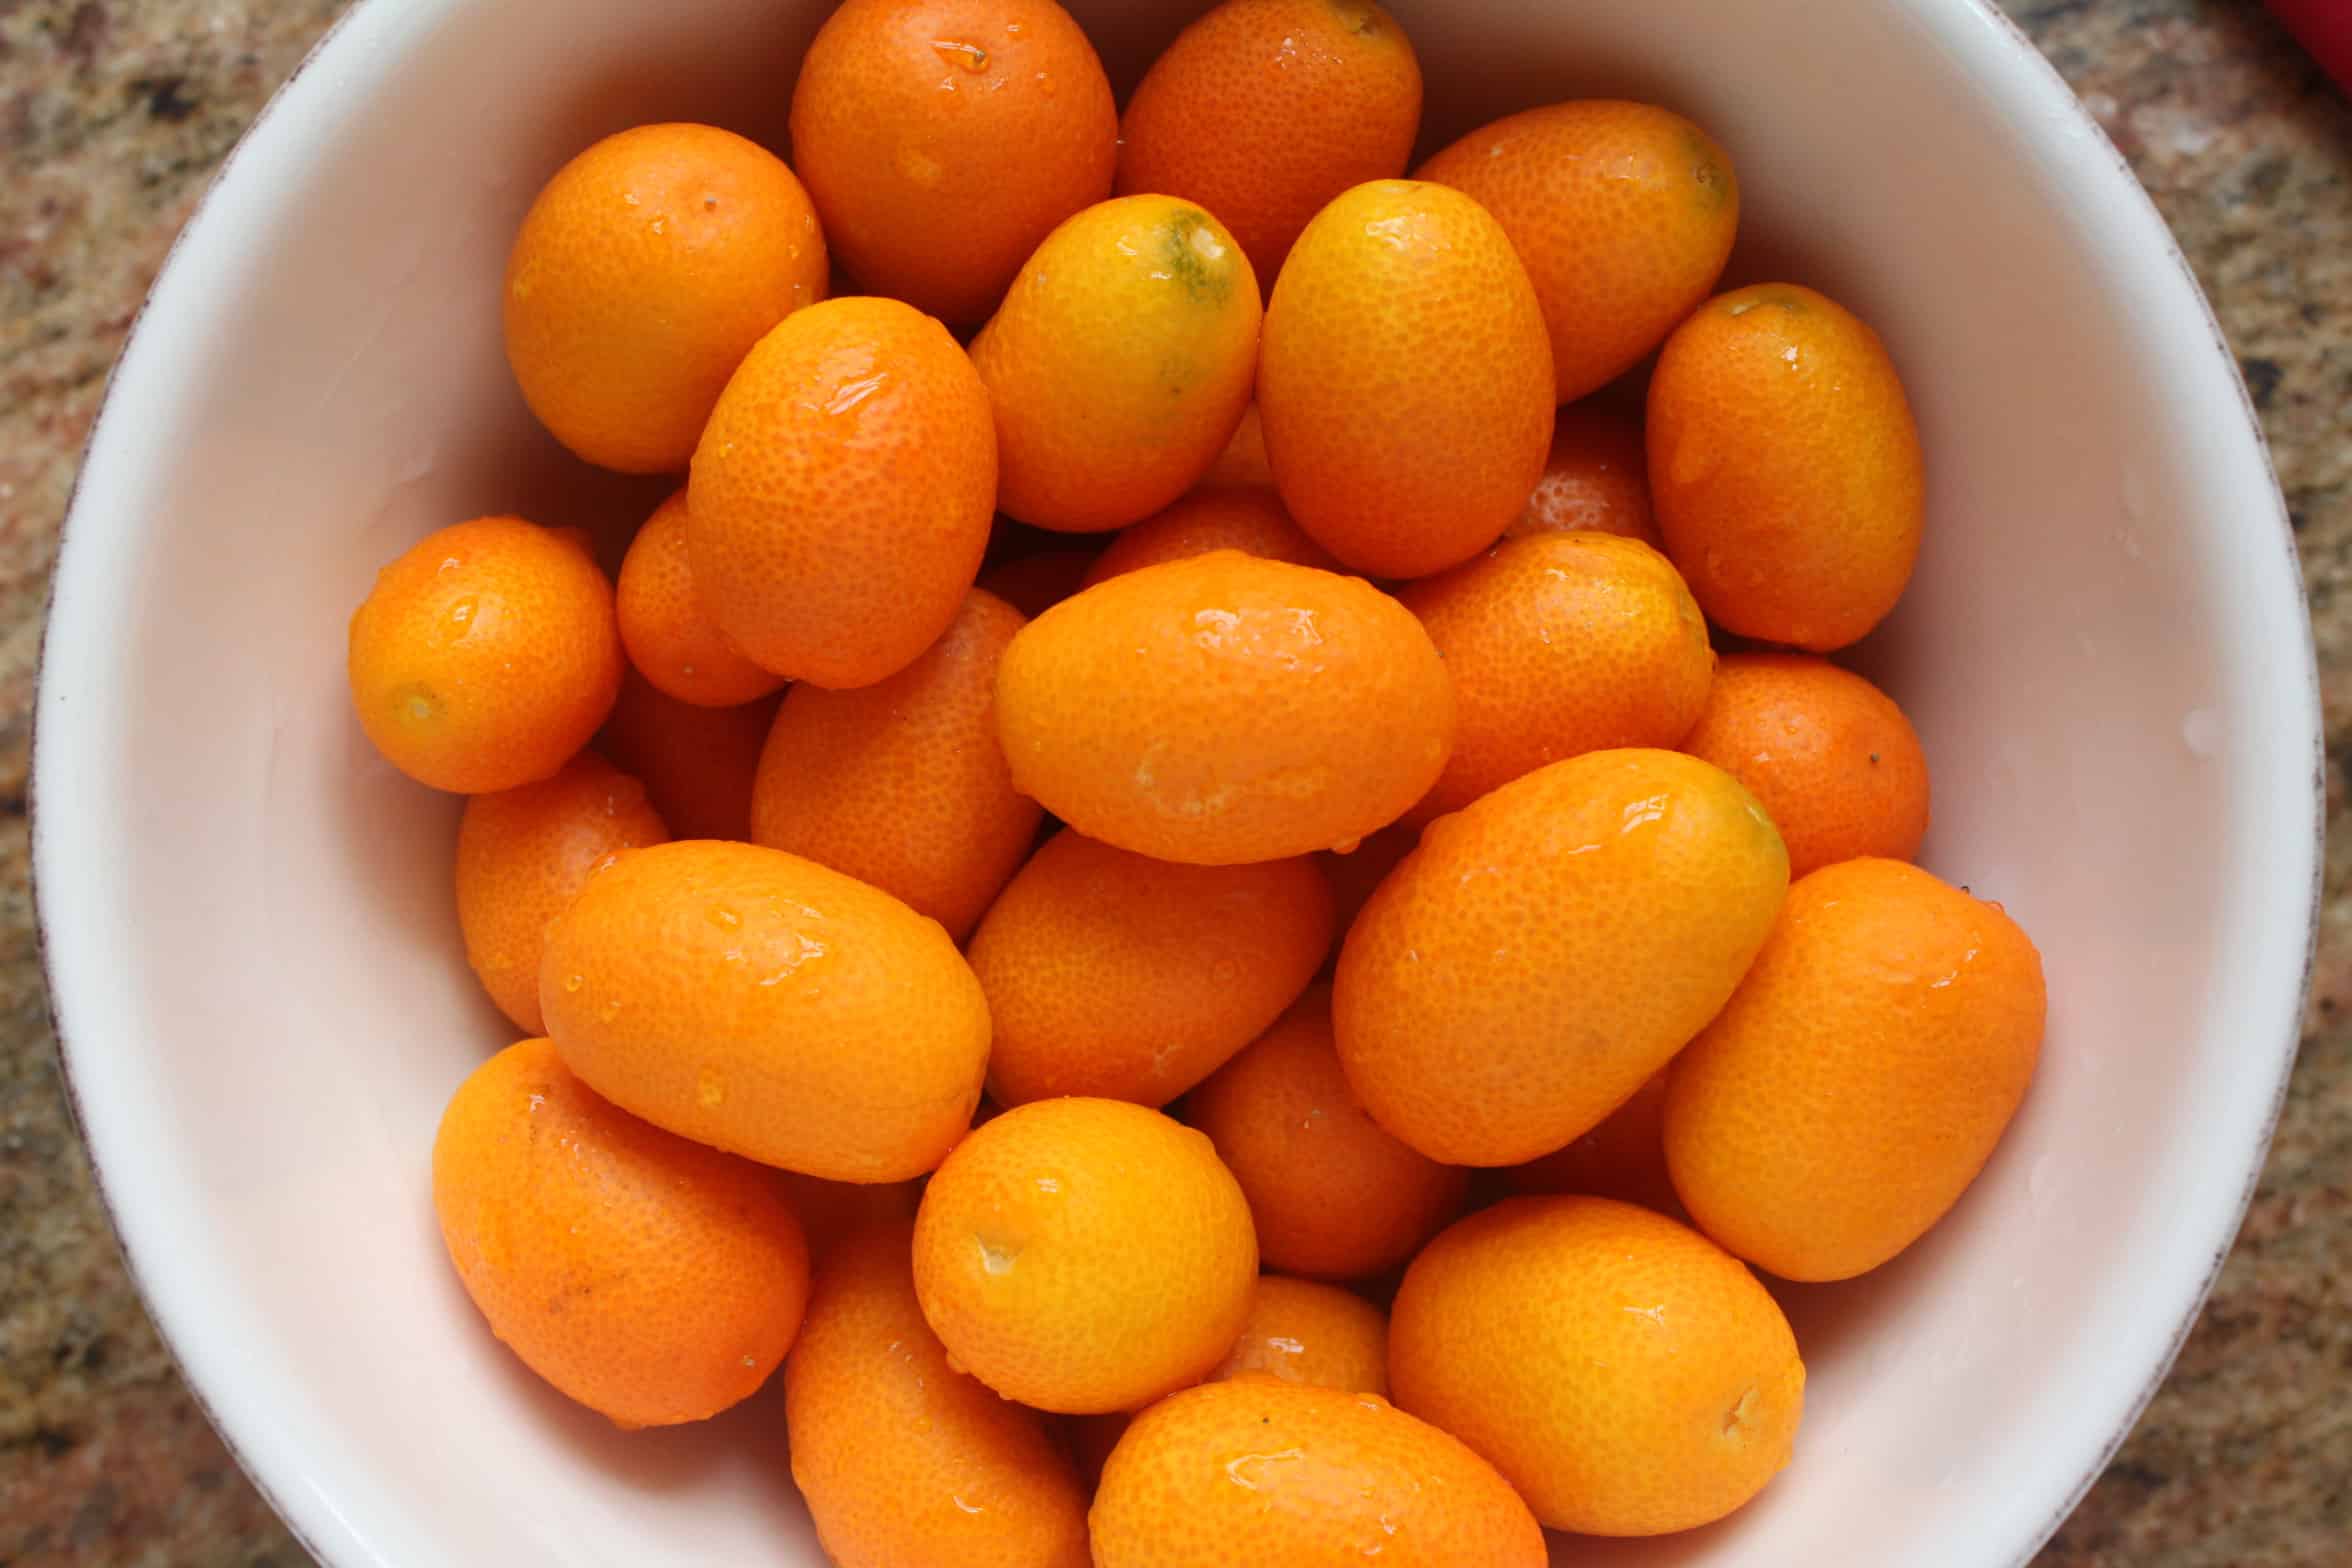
(417, 704)
(851, 393)
(574, 982)
(996, 1258)
(1247, 1470)
(709, 1090)
(971, 57)
(722, 916)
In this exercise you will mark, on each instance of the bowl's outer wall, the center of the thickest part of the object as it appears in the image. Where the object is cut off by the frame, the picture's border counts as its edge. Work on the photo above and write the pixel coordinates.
(248, 918)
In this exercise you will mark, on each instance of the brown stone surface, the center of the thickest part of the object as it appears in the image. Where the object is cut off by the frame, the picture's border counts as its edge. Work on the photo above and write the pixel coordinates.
(115, 111)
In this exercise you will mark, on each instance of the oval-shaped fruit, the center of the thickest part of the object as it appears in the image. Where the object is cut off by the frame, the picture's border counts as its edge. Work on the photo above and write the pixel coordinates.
(651, 1279)
(1225, 709)
(1405, 380)
(1596, 480)
(1629, 1376)
(760, 1003)
(486, 655)
(1119, 363)
(1261, 1471)
(1084, 1255)
(1114, 975)
(943, 139)
(1549, 947)
(1830, 756)
(1214, 517)
(1623, 212)
(1264, 110)
(1623, 1157)
(1332, 1194)
(1559, 645)
(670, 639)
(902, 784)
(696, 763)
(1785, 467)
(842, 494)
(1861, 1075)
(1301, 1331)
(524, 854)
(901, 1457)
(643, 274)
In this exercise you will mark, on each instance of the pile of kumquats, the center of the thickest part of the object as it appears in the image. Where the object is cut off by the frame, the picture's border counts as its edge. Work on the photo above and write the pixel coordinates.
(1149, 878)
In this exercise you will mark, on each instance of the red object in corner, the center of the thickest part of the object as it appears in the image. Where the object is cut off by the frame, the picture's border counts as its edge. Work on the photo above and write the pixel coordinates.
(2325, 28)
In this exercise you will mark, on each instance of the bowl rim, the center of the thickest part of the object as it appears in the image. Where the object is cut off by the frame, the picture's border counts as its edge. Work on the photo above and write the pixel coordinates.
(1990, 49)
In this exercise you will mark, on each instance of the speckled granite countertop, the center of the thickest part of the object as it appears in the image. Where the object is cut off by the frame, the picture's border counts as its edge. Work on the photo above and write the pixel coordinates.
(114, 113)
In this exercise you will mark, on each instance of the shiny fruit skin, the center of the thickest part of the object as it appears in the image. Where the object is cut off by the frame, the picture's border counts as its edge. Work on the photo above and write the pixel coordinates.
(1861, 1075)
(1596, 480)
(1559, 645)
(1333, 1195)
(1119, 363)
(1260, 1471)
(523, 855)
(1624, 213)
(1213, 517)
(1303, 1331)
(1113, 975)
(1405, 381)
(651, 1279)
(643, 273)
(1829, 754)
(485, 656)
(1625, 1373)
(1549, 947)
(1624, 1157)
(902, 784)
(1224, 709)
(901, 1457)
(760, 1003)
(670, 640)
(943, 140)
(696, 763)
(1785, 467)
(841, 498)
(1084, 1255)
(1264, 110)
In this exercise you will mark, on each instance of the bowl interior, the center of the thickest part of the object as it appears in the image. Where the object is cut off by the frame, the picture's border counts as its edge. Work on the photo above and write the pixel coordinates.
(248, 915)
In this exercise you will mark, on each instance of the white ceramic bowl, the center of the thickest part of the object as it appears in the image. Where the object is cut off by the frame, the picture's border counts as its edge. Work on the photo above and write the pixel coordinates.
(255, 966)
